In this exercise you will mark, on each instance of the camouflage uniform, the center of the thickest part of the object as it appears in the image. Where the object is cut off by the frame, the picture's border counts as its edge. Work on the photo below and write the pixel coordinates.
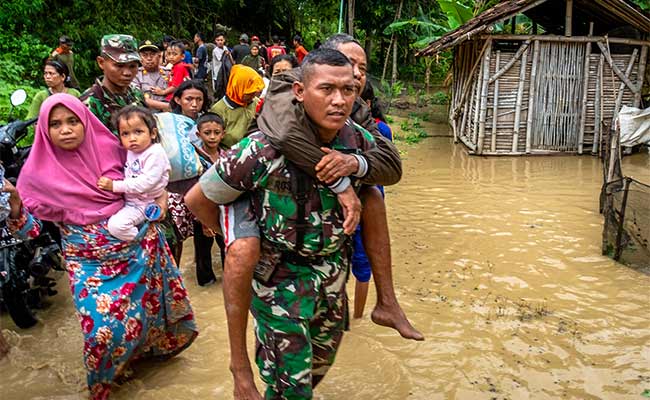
(299, 301)
(100, 101)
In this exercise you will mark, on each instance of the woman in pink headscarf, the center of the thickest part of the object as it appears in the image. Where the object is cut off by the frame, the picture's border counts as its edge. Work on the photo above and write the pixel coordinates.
(129, 296)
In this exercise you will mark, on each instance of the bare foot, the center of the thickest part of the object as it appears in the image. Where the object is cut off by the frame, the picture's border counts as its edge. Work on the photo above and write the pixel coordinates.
(394, 317)
(4, 346)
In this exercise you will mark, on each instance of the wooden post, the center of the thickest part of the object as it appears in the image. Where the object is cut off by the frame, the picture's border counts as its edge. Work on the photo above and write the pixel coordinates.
(641, 75)
(520, 96)
(598, 115)
(585, 93)
(532, 92)
(568, 21)
(495, 107)
(484, 97)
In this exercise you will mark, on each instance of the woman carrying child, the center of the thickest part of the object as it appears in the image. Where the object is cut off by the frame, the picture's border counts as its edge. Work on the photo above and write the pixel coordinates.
(129, 296)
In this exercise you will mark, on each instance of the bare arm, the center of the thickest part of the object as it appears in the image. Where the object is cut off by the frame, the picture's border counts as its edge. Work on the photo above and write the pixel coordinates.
(204, 209)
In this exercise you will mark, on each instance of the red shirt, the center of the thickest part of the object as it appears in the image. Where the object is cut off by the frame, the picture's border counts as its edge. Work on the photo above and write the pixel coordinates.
(301, 52)
(274, 51)
(178, 75)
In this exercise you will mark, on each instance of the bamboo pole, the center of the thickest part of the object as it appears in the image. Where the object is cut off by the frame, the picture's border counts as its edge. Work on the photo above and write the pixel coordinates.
(476, 101)
(532, 92)
(641, 76)
(621, 89)
(585, 92)
(614, 68)
(495, 107)
(598, 118)
(520, 95)
(568, 20)
(572, 39)
(484, 98)
(512, 61)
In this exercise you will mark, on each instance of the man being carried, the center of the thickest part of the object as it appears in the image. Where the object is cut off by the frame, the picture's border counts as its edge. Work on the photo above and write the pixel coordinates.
(119, 61)
(298, 299)
(381, 165)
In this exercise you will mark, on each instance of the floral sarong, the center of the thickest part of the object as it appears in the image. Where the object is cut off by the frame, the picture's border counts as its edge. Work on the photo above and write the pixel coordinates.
(129, 296)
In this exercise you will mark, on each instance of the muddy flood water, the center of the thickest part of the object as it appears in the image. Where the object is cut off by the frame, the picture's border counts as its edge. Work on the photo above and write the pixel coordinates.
(496, 260)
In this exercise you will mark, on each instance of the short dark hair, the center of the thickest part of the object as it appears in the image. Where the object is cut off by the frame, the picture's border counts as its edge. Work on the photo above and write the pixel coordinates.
(322, 56)
(61, 69)
(168, 39)
(200, 35)
(136, 111)
(191, 84)
(334, 41)
(376, 110)
(298, 39)
(283, 57)
(178, 44)
(275, 39)
(216, 35)
(209, 117)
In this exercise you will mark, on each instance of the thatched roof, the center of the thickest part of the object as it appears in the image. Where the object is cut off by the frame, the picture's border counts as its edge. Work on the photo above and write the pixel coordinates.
(607, 15)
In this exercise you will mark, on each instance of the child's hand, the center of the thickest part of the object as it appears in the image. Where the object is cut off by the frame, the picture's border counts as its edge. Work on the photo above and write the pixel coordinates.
(156, 90)
(105, 183)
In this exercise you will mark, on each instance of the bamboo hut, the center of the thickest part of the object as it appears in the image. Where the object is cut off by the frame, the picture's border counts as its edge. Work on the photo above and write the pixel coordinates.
(549, 91)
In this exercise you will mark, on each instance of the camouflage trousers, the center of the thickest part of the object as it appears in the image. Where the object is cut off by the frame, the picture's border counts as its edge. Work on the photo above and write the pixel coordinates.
(300, 315)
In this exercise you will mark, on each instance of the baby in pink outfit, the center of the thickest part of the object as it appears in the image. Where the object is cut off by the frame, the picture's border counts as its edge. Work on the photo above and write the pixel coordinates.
(146, 172)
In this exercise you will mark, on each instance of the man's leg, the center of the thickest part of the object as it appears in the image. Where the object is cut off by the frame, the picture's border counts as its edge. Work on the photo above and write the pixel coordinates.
(326, 332)
(283, 354)
(376, 240)
(203, 256)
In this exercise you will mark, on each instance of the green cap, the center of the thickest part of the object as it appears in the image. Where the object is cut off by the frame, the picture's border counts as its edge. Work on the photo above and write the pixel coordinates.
(120, 48)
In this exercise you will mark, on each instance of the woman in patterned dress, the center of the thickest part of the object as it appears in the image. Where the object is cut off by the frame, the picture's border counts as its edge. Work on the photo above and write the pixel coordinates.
(129, 296)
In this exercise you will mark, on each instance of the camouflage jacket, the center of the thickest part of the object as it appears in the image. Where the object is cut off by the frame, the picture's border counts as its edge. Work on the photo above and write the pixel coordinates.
(253, 165)
(105, 104)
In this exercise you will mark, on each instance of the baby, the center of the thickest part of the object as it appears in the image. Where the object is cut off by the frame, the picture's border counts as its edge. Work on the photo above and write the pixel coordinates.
(146, 172)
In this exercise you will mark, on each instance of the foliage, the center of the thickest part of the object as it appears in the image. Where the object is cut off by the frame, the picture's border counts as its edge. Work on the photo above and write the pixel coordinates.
(411, 131)
(439, 97)
(644, 4)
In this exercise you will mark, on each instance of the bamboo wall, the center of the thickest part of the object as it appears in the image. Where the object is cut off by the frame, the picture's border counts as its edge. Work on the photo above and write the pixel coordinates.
(569, 86)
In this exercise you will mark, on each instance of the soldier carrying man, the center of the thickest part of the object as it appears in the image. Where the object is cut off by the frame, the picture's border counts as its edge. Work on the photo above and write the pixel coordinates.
(298, 300)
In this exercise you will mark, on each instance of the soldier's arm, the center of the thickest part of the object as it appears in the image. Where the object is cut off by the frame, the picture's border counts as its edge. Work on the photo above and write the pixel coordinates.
(384, 166)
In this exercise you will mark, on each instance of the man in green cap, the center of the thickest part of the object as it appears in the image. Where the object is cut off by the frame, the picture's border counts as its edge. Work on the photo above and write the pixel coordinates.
(111, 92)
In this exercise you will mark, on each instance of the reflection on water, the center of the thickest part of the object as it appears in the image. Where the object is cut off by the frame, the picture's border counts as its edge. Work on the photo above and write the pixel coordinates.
(497, 261)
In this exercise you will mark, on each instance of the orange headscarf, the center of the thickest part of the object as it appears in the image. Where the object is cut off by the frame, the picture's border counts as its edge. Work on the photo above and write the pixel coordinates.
(243, 80)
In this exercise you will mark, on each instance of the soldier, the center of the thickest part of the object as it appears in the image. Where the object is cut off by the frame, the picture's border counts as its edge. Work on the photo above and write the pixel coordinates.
(298, 301)
(119, 61)
(382, 166)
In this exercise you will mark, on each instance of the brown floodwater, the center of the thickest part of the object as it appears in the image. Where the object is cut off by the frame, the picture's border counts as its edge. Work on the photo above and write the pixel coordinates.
(496, 260)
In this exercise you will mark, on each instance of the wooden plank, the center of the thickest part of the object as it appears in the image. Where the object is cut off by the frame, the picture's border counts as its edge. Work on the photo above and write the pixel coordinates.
(495, 107)
(568, 18)
(520, 95)
(617, 71)
(621, 89)
(641, 76)
(512, 61)
(598, 118)
(531, 97)
(484, 98)
(572, 39)
(585, 92)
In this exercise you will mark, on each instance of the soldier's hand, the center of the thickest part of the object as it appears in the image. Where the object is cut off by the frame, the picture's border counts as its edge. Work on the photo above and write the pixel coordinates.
(351, 209)
(335, 165)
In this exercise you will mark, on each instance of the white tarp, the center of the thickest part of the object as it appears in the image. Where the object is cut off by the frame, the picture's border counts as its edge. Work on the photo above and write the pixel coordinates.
(635, 126)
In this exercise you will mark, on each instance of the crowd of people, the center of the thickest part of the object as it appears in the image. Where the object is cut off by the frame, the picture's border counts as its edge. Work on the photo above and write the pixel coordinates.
(292, 145)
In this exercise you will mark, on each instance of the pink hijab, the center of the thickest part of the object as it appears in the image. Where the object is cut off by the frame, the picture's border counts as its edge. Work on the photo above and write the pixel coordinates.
(61, 185)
